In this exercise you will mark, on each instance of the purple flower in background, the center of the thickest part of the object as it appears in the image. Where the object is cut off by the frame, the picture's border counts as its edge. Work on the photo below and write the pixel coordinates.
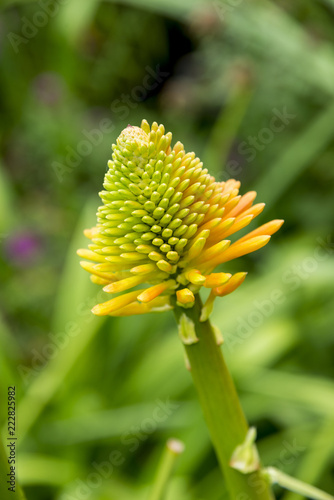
(22, 248)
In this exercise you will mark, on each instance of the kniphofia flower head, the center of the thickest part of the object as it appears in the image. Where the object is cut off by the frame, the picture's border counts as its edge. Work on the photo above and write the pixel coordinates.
(164, 227)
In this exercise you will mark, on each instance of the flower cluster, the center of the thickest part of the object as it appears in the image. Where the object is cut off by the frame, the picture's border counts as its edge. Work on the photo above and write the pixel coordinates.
(164, 226)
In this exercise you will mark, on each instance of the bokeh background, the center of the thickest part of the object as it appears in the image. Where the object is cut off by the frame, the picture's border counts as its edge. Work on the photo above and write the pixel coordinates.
(249, 86)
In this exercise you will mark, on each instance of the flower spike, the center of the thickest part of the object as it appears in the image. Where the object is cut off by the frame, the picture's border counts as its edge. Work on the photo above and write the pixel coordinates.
(163, 225)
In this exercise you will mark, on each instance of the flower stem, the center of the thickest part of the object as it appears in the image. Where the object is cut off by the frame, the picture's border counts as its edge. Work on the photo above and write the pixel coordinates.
(220, 404)
(292, 484)
(172, 450)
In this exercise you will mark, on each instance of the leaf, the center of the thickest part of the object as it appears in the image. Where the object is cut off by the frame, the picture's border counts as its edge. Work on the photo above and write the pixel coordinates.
(300, 155)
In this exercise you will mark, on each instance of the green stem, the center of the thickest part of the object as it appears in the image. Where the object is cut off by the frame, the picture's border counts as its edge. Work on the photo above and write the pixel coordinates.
(172, 450)
(220, 405)
(292, 484)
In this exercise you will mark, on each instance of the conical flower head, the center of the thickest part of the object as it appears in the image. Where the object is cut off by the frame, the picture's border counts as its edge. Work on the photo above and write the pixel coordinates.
(164, 225)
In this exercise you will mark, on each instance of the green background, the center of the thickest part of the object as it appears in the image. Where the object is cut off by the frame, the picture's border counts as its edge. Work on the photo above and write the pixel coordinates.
(248, 86)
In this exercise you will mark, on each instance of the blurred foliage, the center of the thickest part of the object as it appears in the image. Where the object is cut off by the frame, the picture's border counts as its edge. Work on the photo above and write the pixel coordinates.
(249, 86)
